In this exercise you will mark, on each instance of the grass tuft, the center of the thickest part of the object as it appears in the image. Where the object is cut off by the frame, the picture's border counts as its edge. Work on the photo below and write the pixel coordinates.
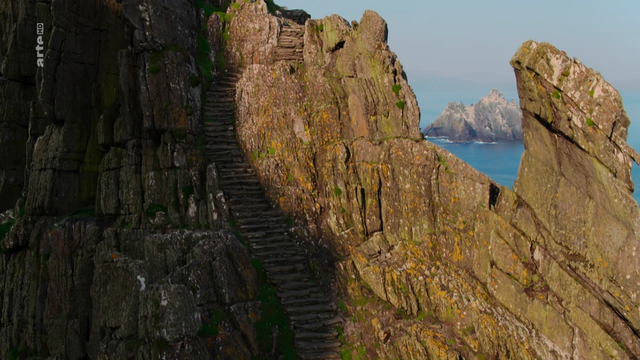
(337, 191)
(396, 89)
(400, 104)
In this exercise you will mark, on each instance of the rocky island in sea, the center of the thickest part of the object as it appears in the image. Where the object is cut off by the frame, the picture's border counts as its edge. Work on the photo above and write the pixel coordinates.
(490, 120)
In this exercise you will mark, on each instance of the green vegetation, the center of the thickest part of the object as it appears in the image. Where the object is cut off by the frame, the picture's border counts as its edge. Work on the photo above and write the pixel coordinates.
(202, 58)
(556, 94)
(272, 315)
(188, 191)
(591, 93)
(400, 104)
(188, 110)
(337, 191)
(272, 151)
(396, 89)
(342, 306)
(451, 341)
(153, 209)
(272, 7)
(289, 222)
(590, 122)
(154, 68)
(194, 79)
(208, 9)
(290, 178)
(211, 328)
(4, 228)
(179, 133)
(236, 6)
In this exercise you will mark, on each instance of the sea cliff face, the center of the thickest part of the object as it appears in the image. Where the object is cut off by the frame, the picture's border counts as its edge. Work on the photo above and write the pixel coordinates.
(432, 258)
(124, 245)
(491, 119)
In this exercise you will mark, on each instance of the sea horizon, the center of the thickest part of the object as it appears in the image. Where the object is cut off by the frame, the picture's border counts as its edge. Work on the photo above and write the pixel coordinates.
(501, 160)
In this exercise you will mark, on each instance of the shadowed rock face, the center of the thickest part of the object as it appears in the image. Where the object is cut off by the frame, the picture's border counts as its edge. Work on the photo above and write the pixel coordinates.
(491, 119)
(100, 158)
(433, 259)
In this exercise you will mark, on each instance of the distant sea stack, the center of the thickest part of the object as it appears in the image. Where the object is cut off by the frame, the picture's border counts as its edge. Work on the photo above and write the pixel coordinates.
(490, 120)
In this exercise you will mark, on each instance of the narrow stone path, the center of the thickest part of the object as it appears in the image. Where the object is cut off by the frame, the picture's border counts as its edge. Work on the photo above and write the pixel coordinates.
(290, 43)
(311, 312)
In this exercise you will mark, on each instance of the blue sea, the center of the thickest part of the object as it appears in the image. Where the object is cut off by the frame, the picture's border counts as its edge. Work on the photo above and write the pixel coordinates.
(500, 161)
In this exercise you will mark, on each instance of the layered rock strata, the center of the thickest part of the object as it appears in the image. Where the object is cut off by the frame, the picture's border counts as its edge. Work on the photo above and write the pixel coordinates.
(433, 259)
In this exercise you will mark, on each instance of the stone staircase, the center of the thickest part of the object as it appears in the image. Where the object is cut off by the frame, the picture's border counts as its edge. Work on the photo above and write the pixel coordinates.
(311, 311)
(290, 43)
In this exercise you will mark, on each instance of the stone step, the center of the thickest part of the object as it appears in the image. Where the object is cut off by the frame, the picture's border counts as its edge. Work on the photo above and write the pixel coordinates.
(287, 259)
(316, 335)
(318, 345)
(222, 147)
(270, 253)
(284, 268)
(305, 309)
(265, 214)
(325, 355)
(315, 325)
(308, 318)
(263, 227)
(237, 171)
(264, 233)
(239, 176)
(298, 286)
(306, 301)
(309, 292)
(259, 220)
(251, 206)
(272, 246)
(232, 192)
(287, 277)
(219, 129)
(271, 239)
(240, 181)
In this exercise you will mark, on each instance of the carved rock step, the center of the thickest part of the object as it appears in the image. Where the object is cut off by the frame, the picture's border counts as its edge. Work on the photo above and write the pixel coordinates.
(269, 253)
(319, 335)
(320, 308)
(256, 206)
(308, 292)
(237, 171)
(266, 214)
(326, 355)
(309, 318)
(329, 345)
(320, 324)
(239, 176)
(284, 268)
(297, 285)
(257, 220)
(219, 130)
(288, 277)
(233, 192)
(284, 245)
(306, 301)
(285, 259)
(263, 227)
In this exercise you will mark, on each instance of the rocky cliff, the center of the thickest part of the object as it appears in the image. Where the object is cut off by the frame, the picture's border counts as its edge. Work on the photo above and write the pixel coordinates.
(93, 264)
(491, 119)
(140, 227)
(431, 258)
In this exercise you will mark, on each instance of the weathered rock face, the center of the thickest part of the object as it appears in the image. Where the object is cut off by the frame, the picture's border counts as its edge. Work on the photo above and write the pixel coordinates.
(433, 259)
(113, 163)
(491, 119)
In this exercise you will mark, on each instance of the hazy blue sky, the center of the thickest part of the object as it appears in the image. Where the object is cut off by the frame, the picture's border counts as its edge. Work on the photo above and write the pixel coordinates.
(475, 40)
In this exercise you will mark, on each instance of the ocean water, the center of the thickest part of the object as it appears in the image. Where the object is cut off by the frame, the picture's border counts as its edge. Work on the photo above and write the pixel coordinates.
(500, 161)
